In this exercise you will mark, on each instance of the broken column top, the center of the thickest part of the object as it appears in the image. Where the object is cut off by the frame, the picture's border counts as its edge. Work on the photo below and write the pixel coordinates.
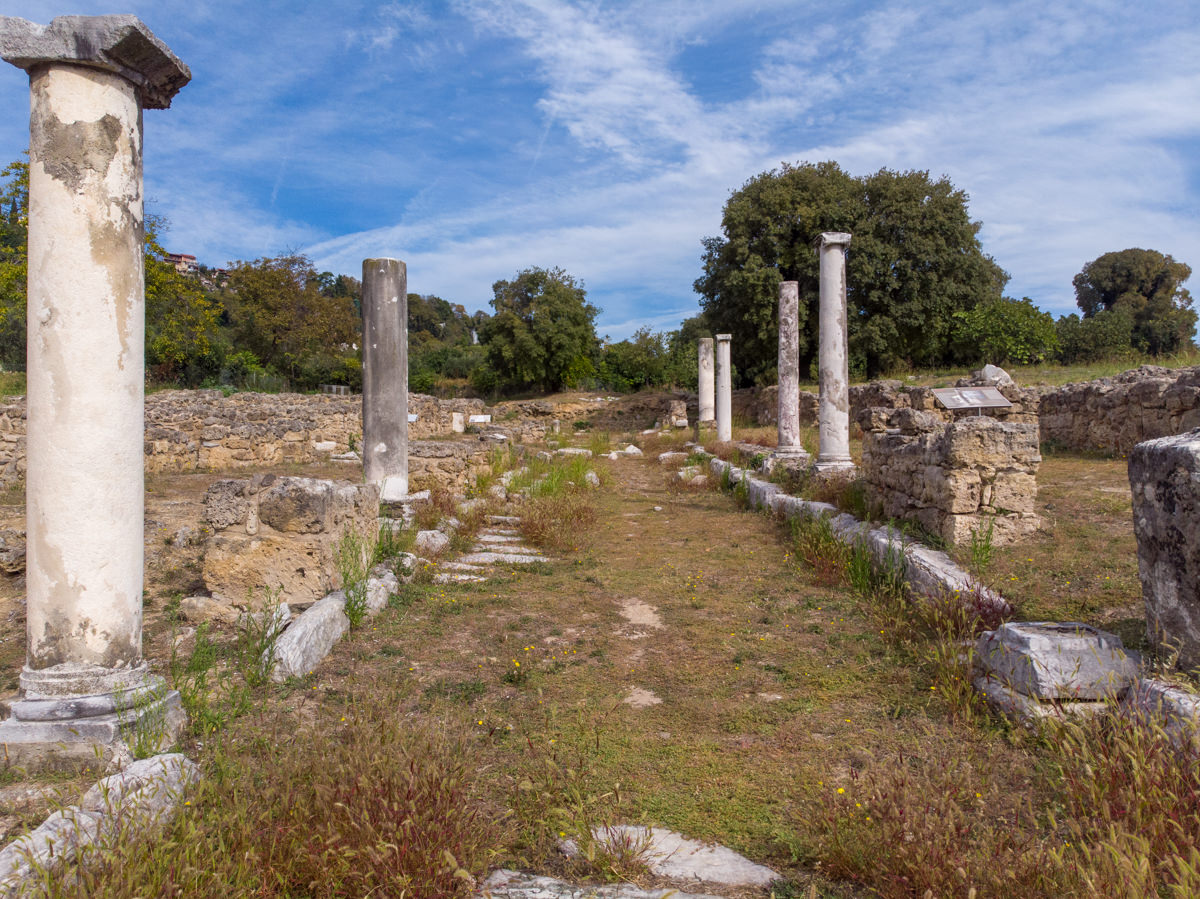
(122, 45)
(833, 237)
(724, 337)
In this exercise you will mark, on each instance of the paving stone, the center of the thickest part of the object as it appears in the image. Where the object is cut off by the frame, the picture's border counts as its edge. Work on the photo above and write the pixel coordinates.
(498, 538)
(495, 558)
(515, 885)
(669, 854)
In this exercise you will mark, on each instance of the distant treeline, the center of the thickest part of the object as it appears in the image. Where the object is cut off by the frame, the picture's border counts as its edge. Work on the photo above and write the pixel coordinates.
(922, 294)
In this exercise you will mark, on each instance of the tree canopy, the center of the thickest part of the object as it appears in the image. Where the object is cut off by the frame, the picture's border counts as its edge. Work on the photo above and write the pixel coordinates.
(1147, 287)
(914, 261)
(543, 332)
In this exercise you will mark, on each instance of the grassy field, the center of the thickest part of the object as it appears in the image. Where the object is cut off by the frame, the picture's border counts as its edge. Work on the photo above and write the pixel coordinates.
(680, 662)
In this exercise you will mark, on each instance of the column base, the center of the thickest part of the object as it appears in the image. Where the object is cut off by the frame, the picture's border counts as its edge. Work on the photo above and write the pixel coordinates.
(828, 466)
(788, 458)
(394, 489)
(71, 732)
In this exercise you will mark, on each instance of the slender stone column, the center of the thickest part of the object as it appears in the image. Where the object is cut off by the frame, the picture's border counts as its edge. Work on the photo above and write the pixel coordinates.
(707, 410)
(385, 376)
(789, 446)
(833, 411)
(84, 683)
(724, 404)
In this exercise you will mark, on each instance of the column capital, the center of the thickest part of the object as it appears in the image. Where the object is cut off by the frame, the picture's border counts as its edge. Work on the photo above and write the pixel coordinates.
(122, 45)
(724, 338)
(833, 238)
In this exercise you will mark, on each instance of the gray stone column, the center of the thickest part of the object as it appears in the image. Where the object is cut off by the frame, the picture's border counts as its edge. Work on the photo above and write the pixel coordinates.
(833, 411)
(788, 443)
(385, 376)
(707, 385)
(84, 683)
(724, 403)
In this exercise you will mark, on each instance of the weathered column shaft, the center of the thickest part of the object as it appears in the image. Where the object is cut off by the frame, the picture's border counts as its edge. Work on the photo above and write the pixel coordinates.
(707, 385)
(789, 368)
(86, 334)
(833, 411)
(724, 379)
(84, 687)
(385, 376)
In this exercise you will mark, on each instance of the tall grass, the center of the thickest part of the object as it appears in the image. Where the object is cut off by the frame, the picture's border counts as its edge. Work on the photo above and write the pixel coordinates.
(365, 806)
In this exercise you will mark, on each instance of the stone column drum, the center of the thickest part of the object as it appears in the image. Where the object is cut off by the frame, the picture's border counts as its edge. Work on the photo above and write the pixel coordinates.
(724, 404)
(833, 410)
(788, 443)
(385, 377)
(706, 389)
(85, 683)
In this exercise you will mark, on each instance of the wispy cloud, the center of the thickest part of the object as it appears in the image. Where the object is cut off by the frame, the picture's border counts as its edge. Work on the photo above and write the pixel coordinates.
(481, 136)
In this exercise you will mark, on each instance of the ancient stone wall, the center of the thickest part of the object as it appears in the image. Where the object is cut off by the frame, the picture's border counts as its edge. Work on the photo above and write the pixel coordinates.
(1108, 414)
(191, 430)
(952, 478)
(1114, 414)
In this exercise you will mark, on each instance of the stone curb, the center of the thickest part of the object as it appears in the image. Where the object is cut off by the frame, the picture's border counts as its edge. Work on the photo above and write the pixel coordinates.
(135, 802)
(929, 572)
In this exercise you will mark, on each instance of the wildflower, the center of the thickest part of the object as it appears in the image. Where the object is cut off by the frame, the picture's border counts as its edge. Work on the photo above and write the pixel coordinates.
(841, 790)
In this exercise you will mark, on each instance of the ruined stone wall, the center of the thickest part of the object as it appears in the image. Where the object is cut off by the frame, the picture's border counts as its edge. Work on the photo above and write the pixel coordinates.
(1108, 414)
(952, 478)
(191, 430)
(1114, 414)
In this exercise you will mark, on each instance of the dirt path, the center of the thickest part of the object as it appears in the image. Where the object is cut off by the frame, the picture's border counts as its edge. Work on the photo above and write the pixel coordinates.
(681, 659)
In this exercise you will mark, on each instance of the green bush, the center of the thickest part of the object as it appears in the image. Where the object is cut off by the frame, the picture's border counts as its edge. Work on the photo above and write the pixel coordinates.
(1005, 331)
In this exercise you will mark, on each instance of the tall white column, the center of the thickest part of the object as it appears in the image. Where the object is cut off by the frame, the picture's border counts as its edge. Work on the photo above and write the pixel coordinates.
(704, 349)
(724, 404)
(84, 682)
(833, 411)
(788, 442)
(385, 376)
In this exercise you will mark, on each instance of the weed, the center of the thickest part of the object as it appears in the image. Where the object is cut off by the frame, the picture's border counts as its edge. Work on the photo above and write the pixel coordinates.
(600, 443)
(819, 548)
(258, 630)
(982, 549)
(375, 807)
(353, 556)
(933, 824)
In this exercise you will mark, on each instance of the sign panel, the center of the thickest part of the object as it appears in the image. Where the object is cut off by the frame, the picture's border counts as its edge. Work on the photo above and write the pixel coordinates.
(971, 398)
(412, 416)
(480, 419)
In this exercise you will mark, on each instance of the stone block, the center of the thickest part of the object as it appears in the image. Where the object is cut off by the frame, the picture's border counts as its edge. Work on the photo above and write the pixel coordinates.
(1014, 491)
(1163, 705)
(431, 543)
(239, 569)
(1026, 709)
(1056, 661)
(310, 638)
(1164, 479)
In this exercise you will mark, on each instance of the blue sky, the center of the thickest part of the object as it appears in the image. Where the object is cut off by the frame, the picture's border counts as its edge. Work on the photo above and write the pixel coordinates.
(474, 138)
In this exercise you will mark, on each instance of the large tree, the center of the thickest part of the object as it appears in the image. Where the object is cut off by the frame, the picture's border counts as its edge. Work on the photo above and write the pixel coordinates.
(543, 332)
(276, 311)
(1147, 286)
(914, 261)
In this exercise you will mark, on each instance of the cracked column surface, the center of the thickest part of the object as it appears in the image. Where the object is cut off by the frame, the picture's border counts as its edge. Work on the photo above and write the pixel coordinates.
(90, 77)
(704, 349)
(724, 410)
(833, 411)
(788, 443)
(385, 376)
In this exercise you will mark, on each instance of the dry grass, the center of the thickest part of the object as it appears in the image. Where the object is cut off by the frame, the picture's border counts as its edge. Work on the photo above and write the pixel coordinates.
(778, 688)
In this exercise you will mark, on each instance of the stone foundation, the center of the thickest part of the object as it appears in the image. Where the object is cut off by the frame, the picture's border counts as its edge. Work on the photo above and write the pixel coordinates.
(953, 479)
